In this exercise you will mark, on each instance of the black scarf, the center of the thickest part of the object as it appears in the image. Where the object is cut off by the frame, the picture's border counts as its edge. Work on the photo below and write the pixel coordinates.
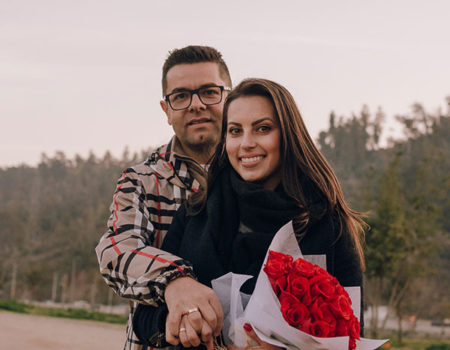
(232, 203)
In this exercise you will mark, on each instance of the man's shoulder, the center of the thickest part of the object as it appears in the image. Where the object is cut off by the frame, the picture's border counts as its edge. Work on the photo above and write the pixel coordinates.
(151, 165)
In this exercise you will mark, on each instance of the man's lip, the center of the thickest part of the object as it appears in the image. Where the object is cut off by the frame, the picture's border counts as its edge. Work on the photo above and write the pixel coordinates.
(199, 121)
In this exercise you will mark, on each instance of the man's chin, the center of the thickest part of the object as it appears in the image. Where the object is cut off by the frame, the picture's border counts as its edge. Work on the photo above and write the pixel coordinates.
(203, 141)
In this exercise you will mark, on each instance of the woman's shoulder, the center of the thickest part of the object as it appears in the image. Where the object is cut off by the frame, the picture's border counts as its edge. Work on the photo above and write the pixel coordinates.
(327, 224)
(321, 234)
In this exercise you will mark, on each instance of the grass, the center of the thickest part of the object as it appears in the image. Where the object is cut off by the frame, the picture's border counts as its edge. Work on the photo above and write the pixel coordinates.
(417, 344)
(408, 343)
(81, 314)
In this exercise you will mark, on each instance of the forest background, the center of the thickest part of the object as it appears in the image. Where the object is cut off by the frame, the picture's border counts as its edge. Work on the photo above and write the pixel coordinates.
(52, 215)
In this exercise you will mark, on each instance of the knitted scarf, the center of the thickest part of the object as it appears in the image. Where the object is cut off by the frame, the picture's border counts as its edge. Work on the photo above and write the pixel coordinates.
(242, 219)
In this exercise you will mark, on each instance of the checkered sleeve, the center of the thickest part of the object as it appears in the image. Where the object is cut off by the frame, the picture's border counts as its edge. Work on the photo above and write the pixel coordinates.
(129, 262)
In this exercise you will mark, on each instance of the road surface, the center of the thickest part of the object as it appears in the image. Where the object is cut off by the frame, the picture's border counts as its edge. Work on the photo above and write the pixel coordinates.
(21, 331)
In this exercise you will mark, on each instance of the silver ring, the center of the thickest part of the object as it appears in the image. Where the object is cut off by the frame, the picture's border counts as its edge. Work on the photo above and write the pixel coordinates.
(190, 311)
(182, 329)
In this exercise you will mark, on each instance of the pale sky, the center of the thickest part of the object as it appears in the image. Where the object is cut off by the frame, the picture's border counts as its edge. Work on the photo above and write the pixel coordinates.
(81, 75)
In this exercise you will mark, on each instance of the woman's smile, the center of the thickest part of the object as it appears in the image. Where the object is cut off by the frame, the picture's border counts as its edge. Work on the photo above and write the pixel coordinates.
(251, 160)
(253, 140)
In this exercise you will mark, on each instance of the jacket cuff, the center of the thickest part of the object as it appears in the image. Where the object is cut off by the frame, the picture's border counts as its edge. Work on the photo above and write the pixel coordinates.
(179, 268)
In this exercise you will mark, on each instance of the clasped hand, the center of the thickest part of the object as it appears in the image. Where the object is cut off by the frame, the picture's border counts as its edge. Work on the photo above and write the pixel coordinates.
(196, 316)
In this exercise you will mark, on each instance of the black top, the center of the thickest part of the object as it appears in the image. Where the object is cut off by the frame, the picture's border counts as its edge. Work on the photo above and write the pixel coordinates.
(215, 245)
(211, 240)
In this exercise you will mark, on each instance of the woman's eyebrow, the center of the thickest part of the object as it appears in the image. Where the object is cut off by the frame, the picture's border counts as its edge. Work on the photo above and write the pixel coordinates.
(253, 123)
(261, 120)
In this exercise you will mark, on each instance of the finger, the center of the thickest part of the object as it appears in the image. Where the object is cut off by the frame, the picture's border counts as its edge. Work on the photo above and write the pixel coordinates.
(193, 339)
(173, 324)
(251, 333)
(171, 336)
(217, 307)
(209, 345)
(209, 315)
(183, 336)
(195, 319)
(232, 347)
(207, 333)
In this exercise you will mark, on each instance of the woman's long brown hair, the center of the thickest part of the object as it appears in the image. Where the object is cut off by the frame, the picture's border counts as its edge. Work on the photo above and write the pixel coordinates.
(299, 158)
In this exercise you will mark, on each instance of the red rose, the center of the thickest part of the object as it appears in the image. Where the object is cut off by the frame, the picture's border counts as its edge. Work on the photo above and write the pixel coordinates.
(351, 344)
(299, 286)
(319, 329)
(341, 307)
(341, 328)
(311, 299)
(287, 299)
(294, 312)
(323, 285)
(341, 290)
(301, 267)
(320, 311)
(354, 327)
(279, 285)
(277, 265)
(297, 316)
(316, 311)
(320, 271)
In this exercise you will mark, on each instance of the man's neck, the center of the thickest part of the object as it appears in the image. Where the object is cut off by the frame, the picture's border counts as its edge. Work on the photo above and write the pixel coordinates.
(201, 154)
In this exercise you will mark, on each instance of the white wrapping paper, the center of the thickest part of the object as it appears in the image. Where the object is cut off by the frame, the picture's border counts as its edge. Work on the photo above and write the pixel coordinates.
(263, 309)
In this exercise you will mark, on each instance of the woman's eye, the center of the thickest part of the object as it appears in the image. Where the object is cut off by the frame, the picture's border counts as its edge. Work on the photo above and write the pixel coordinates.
(233, 131)
(264, 128)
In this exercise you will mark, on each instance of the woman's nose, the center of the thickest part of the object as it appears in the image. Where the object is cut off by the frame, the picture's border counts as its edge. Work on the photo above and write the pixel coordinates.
(248, 141)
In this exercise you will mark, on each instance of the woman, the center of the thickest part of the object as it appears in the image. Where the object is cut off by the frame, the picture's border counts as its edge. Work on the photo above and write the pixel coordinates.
(266, 171)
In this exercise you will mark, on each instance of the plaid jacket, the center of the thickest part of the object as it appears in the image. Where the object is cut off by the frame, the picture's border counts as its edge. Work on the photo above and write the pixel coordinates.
(144, 203)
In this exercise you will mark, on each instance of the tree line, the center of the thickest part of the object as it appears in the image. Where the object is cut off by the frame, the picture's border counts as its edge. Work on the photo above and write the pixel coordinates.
(52, 215)
(403, 189)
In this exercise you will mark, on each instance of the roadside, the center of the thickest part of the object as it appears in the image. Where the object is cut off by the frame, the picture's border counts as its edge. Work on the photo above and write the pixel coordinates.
(22, 331)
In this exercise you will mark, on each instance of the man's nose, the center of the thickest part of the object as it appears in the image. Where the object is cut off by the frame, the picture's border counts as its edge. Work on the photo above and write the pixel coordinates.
(196, 103)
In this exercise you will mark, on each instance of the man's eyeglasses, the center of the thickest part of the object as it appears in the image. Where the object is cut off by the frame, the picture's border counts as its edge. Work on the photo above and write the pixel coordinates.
(208, 95)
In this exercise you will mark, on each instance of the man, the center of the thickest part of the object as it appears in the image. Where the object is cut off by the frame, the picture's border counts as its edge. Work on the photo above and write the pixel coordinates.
(195, 82)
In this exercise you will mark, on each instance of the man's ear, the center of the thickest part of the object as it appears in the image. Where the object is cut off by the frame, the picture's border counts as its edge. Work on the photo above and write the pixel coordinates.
(165, 108)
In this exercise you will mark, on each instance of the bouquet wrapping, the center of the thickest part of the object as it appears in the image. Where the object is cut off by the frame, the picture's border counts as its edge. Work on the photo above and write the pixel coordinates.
(289, 309)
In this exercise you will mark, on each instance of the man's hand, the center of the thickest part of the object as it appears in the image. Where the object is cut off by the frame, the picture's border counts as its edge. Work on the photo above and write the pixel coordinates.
(196, 309)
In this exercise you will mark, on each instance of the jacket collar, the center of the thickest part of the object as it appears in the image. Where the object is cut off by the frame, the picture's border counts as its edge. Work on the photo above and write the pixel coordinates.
(171, 163)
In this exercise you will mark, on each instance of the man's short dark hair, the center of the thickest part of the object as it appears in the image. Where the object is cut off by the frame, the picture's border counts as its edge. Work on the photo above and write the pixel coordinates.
(195, 54)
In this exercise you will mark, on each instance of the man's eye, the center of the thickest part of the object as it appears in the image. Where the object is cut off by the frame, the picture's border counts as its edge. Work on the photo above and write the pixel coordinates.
(210, 92)
(180, 96)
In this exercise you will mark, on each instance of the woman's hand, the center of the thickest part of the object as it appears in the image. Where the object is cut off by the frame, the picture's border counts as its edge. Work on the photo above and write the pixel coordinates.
(261, 344)
(189, 337)
(195, 310)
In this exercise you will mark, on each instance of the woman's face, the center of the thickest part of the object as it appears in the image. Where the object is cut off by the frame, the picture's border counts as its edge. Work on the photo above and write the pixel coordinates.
(253, 140)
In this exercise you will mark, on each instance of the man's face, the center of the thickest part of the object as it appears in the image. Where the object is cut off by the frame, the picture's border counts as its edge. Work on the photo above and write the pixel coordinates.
(198, 125)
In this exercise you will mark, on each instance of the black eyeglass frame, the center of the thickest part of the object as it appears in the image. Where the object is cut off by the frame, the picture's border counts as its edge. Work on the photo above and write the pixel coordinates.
(196, 92)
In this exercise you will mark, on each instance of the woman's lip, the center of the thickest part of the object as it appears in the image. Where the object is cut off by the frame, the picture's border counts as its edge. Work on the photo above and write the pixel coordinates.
(251, 160)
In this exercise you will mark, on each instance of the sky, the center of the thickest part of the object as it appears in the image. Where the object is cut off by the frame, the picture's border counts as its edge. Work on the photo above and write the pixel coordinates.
(85, 75)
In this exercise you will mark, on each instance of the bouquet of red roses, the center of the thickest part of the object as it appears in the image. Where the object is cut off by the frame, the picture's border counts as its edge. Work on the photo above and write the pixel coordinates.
(311, 299)
(295, 305)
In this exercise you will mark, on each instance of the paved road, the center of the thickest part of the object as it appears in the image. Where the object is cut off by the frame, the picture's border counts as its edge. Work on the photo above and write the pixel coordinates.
(19, 331)
(422, 328)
